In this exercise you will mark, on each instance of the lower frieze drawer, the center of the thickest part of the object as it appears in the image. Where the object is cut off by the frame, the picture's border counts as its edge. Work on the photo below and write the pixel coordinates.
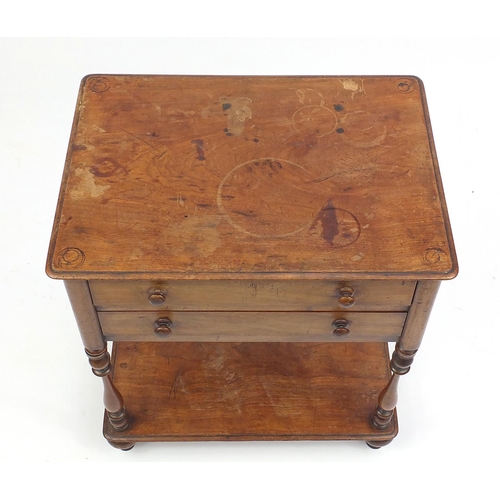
(179, 326)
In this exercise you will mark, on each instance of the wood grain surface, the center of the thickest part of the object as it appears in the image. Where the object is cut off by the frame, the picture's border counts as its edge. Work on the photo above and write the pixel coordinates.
(253, 326)
(274, 177)
(198, 391)
(251, 295)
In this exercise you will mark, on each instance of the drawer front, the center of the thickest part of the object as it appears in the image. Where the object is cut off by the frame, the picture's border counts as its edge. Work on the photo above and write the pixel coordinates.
(179, 326)
(257, 295)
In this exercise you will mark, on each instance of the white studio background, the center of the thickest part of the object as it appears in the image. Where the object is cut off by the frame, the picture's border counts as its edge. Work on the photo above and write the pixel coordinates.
(51, 409)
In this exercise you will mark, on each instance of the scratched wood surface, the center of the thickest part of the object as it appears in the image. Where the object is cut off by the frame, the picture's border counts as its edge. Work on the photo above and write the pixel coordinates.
(222, 177)
(199, 391)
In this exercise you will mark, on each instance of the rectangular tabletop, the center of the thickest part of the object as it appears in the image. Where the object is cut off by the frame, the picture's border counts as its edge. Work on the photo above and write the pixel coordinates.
(223, 177)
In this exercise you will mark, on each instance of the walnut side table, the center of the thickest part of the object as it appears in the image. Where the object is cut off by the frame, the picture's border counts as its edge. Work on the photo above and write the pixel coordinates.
(250, 245)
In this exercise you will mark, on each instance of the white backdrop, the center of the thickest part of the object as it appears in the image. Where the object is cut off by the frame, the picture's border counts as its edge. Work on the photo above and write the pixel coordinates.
(51, 409)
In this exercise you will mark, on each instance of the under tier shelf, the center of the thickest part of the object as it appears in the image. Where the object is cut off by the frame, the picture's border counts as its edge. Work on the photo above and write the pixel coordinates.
(250, 391)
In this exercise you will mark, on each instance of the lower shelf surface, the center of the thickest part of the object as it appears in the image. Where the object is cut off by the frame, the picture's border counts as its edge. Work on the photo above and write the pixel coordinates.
(193, 391)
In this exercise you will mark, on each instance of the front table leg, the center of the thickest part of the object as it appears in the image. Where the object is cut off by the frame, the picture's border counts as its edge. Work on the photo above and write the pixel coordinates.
(97, 352)
(400, 364)
(113, 400)
(404, 353)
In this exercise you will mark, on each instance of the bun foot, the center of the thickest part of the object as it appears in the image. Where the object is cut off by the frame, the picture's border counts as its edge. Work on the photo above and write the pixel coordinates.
(375, 445)
(121, 445)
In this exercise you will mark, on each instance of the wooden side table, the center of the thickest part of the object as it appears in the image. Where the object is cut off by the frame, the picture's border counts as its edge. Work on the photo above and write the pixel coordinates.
(251, 245)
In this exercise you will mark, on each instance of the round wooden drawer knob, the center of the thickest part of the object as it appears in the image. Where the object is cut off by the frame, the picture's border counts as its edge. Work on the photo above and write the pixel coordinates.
(341, 329)
(162, 327)
(346, 296)
(157, 298)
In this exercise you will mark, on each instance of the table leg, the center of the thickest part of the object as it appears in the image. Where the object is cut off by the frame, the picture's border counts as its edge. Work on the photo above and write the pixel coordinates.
(113, 401)
(400, 365)
(404, 353)
(97, 352)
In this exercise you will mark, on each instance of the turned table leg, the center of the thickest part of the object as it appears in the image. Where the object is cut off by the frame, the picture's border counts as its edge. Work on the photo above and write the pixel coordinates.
(99, 358)
(400, 364)
(113, 401)
(404, 353)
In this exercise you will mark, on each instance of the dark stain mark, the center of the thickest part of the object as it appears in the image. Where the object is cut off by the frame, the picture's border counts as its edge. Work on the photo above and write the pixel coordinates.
(245, 214)
(274, 165)
(106, 167)
(229, 133)
(226, 106)
(153, 134)
(256, 140)
(338, 107)
(340, 130)
(226, 130)
(79, 147)
(227, 196)
(199, 148)
(327, 216)
(123, 365)
(203, 205)
(345, 190)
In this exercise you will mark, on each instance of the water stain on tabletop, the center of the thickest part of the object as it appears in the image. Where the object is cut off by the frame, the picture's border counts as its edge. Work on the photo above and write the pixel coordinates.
(238, 111)
(199, 149)
(327, 217)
